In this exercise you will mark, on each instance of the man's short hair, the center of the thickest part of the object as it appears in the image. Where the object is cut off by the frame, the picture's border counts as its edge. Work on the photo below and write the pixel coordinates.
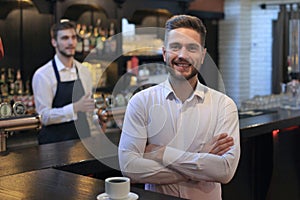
(186, 21)
(61, 25)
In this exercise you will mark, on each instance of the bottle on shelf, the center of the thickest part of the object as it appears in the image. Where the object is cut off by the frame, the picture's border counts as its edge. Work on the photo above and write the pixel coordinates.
(27, 90)
(134, 65)
(90, 37)
(111, 42)
(86, 38)
(79, 45)
(93, 39)
(10, 75)
(12, 88)
(10, 79)
(18, 84)
(3, 85)
(13, 95)
(101, 38)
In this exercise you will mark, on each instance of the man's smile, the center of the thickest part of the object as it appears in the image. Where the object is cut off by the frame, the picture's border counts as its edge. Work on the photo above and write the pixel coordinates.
(181, 66)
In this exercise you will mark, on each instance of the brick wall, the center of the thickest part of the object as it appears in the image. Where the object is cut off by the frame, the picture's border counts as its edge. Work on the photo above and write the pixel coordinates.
(245, 47)
(261, 49)
(234, 37)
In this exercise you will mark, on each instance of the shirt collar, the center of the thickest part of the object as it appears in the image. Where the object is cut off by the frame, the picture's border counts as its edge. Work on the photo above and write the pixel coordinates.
(60, 66)
(200, 90)
(168, 90)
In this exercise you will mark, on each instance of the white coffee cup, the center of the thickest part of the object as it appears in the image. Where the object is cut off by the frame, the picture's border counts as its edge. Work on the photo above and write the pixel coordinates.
(117, 187)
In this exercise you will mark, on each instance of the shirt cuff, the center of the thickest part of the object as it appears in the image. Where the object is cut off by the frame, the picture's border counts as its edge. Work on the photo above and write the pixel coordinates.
(69, 111)
(171, 155)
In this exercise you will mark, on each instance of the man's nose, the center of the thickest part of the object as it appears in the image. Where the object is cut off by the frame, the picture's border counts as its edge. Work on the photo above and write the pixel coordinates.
(183, 53)
(71, 40)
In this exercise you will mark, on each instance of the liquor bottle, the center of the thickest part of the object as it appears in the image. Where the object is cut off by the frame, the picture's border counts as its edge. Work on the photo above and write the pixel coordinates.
(135, 65)
(102, 32)
(86, 38)
(111, 29)
(27, 88)
(18, 85)
(100, 38)
(10, 75)
(113, 41)
(79, 45)
(110, 43)
(3, 84)
(93, 39)
(10, 79)
(12, 88)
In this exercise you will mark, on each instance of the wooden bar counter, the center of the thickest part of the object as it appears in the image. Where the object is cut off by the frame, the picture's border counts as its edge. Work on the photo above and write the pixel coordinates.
(43, 156)
(42, 172)
(49, 184)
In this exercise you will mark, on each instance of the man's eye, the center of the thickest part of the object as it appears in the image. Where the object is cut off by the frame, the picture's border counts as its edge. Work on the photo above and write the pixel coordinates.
(193, 48)
(174, 47)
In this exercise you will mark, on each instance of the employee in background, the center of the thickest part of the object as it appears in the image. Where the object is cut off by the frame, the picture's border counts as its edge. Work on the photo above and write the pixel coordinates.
(62, 89)
(180, 137)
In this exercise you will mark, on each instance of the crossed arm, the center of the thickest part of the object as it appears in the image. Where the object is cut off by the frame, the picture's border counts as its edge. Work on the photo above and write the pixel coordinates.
(219, 145)
(148, 166)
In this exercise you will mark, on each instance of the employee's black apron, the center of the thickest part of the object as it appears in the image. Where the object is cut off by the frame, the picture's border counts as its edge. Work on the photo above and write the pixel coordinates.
(64, 96)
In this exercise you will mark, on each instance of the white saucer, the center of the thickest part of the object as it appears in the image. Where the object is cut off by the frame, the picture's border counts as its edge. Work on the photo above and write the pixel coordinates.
(131, 196)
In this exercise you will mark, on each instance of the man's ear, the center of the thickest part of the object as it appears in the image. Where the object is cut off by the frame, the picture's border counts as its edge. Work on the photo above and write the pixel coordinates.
(164, 53)
(53, 42)
(203, 55)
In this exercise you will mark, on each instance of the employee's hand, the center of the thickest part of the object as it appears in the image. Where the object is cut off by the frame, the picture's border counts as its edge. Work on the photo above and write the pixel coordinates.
(219, 145)
(154, 152)
(85, 104)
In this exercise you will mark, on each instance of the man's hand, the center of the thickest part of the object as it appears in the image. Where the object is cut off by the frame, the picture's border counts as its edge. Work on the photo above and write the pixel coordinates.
(85, 104)
(219, 145)
(154, 152)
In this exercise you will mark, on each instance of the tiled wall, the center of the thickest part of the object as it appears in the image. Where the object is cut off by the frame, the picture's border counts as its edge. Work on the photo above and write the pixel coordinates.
(245, 47)
(261, 49)
(234, 48)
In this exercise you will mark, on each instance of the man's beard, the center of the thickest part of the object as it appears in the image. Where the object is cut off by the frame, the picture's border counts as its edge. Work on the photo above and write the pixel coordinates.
(62, 52)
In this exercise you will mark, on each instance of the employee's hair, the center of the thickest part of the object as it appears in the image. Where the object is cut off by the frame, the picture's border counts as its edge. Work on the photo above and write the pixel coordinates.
(61, 25)
(186, 21)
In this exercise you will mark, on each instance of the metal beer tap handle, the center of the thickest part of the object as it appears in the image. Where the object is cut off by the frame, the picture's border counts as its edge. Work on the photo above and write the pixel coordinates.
(17, 124)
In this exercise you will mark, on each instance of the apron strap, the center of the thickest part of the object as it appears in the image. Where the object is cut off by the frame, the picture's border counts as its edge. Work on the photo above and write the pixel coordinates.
(55, 70)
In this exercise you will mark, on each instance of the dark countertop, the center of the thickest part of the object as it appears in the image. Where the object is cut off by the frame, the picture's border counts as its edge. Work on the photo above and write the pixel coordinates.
(43, 172)
(49, 184)
(266, 123)
(43, 156)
